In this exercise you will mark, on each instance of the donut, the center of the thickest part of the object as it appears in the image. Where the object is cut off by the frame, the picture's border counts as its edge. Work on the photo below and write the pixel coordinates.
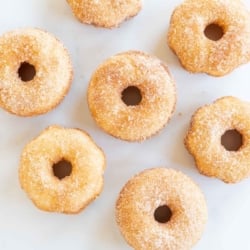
(161, 209)
(210, 36)
(105, 13)
(35, 72)
(62, 170)
(204, 139)
(126, 74)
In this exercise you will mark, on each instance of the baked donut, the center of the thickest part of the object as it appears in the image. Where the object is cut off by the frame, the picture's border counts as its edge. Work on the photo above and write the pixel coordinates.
(105, 13)
(179, 224)
(218, 53)
(205, 136)
(78, 182)
(35, 72)
(138, 73)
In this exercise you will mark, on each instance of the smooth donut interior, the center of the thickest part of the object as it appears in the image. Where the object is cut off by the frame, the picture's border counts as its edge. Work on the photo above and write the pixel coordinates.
(163, 214)
(26, 71)
(131, 96)
(232, 140)
(214, 31)
(62, 169)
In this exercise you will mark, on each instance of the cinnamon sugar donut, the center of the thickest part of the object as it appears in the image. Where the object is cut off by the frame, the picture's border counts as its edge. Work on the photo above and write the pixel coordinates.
(141, 73)
(181, 203)
(49, 76)
(105, 13)
(39, 171)
(189, 37)
(204, 139)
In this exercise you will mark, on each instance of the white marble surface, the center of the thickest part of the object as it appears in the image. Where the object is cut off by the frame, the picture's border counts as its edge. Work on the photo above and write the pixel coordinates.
(23, 226)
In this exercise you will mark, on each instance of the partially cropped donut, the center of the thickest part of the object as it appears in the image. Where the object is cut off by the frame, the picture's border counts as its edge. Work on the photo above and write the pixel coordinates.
(105, 13)
(35, 72)
(161, 209)
(226, 117)
(218, 53)
(62, 170)
(135, 73)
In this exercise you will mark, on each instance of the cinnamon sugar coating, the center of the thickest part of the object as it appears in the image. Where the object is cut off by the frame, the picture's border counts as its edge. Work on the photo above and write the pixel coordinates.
(104, 13)
(52, 78)
(72, 193)
(153, 188)
(157, 88)
(203, 139)
(195, 51)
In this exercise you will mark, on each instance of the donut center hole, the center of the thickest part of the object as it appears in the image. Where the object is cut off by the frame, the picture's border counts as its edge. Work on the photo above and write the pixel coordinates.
(62, 169)
(232, 140)
(214, 32)
(163, 214)
(131, 96)
(26, 71)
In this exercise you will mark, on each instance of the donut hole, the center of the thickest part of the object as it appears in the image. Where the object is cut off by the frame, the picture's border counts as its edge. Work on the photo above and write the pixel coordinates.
(163, 214)
(62, 169)
(131, 96)
(232, 140)
(214, 32)
(26, 71)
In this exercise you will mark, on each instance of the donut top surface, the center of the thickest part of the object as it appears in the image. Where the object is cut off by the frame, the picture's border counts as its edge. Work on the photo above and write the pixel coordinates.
(73, 192)
(52, 72)
(204, 139)
(150, 77)
(151, 189)
(105, 13)
(198, 53)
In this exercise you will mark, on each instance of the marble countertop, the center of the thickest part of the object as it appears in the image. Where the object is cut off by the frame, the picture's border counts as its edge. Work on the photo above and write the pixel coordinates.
(23, 226)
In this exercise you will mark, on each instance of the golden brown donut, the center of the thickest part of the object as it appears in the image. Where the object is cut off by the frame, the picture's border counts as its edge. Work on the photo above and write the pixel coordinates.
(157, 188)
(196, 52)
(204, 139)
(150, 77)
(73, 191)
(40, 52)
(105, 13)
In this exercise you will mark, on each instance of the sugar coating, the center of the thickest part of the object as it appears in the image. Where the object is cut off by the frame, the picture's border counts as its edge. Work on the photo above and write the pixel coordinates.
(72, 193)
(105, 13)
(148, 190)
(203, 139)
(151, 77)
(199, 54)
(53, 72)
